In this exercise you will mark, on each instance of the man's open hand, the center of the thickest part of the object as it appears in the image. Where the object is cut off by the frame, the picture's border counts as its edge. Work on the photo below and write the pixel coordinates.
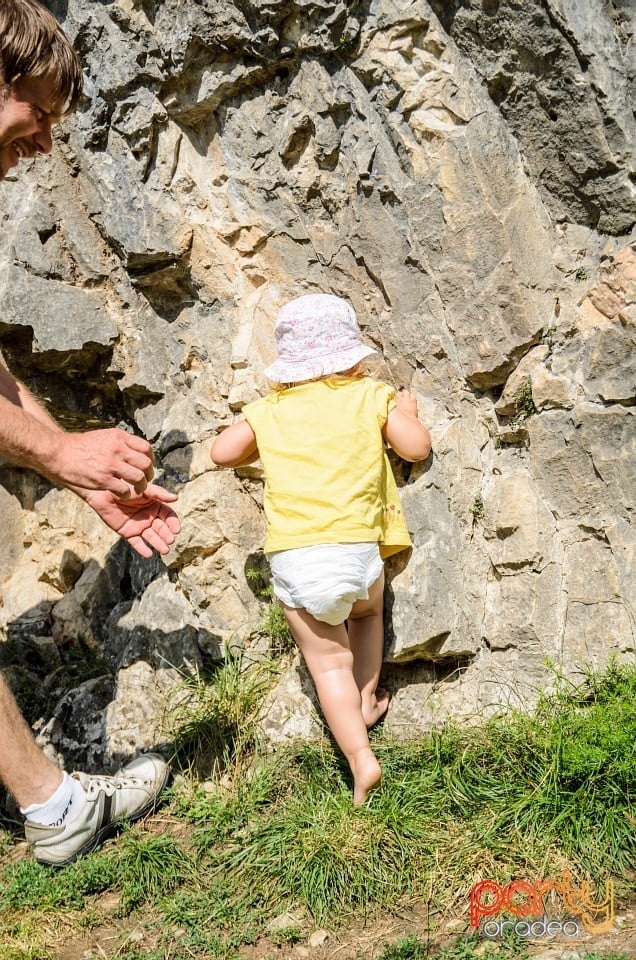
(145, 521)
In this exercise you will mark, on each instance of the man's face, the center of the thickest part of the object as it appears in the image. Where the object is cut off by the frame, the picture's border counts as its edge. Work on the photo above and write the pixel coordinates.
(27, 113)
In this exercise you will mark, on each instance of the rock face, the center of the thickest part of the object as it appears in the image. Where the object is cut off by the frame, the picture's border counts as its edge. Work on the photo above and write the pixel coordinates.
(460, 172)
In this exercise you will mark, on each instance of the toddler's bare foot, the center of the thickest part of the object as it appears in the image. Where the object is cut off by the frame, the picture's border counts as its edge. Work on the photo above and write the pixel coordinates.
(374, 711)
(366, 775)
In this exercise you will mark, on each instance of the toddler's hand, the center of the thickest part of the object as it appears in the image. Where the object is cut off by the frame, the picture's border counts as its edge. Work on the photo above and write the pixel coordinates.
(406, 402)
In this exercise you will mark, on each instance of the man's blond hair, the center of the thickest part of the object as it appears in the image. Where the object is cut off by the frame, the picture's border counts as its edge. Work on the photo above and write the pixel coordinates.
(33, 44)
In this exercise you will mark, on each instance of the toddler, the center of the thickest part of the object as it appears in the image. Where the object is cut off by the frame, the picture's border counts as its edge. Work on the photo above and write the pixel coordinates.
(331, 507)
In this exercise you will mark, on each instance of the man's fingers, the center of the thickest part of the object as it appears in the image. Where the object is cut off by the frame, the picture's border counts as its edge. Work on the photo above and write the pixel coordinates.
(132, 476)
(162, 529)
(141, 486)
(156, 540)
(121, 489)
(131, 460)
(136, 468)
(159, 537)
(140, 461)
(173, 523)
(140, 455)
(138, 443)
(154, 492)
(140, 547)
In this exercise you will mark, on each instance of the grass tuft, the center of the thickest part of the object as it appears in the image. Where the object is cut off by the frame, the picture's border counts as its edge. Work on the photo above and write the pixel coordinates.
(274, 625)
(141, 868)
(213, 719)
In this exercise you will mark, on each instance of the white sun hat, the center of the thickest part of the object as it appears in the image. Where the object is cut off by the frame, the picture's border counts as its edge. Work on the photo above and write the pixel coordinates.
(316, 335)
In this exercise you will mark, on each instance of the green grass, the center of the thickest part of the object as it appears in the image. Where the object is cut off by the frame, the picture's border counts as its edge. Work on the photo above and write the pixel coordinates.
(517, 797)
(413, 949)
(212, 721)
(511, 948)
(141, 868)
(409, 948)
(607, 956)
(574, 776)
(274, 623)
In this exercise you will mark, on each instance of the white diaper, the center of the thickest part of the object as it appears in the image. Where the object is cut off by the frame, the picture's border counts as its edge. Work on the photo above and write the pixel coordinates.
(327, 579)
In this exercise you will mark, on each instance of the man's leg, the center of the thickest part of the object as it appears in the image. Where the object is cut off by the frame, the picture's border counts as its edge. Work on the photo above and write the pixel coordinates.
(24, 769)
(69, 816)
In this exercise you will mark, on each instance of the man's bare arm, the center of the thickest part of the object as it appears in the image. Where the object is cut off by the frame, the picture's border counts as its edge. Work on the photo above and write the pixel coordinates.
(17, 394)
(110, 460)
(25, 438)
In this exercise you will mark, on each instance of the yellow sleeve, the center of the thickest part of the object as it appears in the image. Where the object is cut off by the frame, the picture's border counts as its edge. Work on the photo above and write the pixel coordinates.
(384, 397)
(253, 413)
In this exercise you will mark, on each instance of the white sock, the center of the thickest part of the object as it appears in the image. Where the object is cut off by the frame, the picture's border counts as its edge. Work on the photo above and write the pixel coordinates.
(63, 805)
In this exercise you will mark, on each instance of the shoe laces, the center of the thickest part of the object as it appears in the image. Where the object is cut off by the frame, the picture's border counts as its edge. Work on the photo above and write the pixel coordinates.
(108, 785)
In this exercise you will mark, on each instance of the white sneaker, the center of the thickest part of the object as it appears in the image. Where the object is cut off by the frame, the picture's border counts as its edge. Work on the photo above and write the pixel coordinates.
(110, 802)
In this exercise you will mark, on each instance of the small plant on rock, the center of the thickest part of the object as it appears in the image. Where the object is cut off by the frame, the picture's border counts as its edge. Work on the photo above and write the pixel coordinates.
(274, 623)
(477, 508)
(523, 400)
(524, 404)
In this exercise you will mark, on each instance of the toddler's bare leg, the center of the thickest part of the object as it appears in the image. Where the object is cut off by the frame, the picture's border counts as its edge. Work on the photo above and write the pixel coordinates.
(330, 662)
(366, 639)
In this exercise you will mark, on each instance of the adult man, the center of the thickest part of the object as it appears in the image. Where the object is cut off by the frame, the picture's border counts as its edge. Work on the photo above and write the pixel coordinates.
(40, 80)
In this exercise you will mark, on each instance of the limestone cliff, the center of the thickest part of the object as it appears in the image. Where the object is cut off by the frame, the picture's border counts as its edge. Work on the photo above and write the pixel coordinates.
(461, 172)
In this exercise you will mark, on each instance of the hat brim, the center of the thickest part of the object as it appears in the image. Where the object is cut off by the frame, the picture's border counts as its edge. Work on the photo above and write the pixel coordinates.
(286, 371)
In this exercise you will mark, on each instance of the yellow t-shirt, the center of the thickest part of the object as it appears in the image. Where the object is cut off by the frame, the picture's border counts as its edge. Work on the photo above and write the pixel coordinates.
(327, 476)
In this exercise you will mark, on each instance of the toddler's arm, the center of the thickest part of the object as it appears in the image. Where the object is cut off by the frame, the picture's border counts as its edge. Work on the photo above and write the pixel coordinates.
(403, 431)
(235, 446)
